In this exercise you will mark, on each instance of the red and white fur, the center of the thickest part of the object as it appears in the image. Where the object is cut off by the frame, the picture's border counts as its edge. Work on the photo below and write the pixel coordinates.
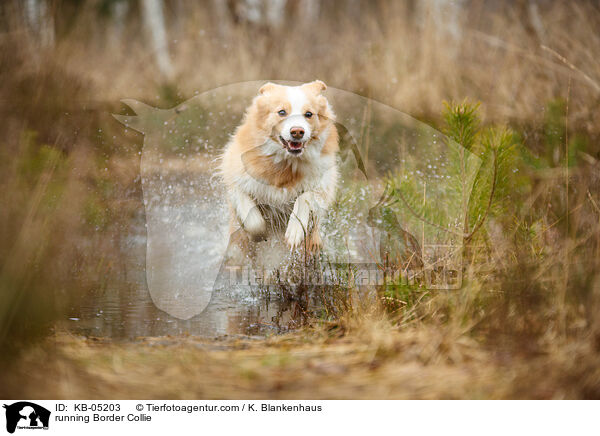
(283, 156)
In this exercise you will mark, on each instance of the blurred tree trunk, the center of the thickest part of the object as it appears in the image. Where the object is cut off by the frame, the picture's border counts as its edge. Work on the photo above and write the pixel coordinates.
(532, 20)
(266, 13)
(223, 18)
(154, 21)
(310, 10)
(40, 21)
(445, 18)
(118, 11)
(251, 11)
(353, 9)
(275, 12)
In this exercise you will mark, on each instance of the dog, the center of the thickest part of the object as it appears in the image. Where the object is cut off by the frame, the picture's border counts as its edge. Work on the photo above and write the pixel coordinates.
(279, 168)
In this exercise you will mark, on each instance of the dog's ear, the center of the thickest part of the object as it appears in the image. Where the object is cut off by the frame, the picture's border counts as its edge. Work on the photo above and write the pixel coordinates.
(317, 86)
(266, 87)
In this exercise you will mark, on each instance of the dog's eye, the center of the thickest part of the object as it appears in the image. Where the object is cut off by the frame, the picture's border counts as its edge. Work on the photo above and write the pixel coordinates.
(308, 114)
(282, 113)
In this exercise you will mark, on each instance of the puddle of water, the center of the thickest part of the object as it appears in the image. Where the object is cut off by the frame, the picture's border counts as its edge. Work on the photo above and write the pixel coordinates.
(125, 310)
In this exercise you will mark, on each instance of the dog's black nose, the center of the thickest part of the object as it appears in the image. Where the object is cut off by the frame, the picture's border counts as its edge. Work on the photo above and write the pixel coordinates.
(297, 132)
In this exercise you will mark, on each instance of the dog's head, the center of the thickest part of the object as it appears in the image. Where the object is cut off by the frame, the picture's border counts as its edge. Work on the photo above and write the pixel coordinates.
(294, 116)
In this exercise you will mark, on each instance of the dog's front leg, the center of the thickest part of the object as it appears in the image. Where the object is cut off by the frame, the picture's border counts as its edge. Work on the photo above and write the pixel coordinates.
(298, 223)
(249, 214)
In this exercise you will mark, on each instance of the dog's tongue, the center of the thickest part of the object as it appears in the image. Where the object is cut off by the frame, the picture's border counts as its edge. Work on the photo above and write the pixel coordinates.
(295, 145)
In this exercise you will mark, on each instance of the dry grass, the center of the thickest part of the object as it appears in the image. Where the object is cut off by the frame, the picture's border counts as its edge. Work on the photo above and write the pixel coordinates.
(374, 360)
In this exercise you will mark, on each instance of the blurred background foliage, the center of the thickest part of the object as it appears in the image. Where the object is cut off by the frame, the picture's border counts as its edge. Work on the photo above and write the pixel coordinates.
(69, 173)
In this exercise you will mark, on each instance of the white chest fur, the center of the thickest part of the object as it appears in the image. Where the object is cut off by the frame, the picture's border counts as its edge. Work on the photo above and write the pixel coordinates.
(314, 178)
(318, 173)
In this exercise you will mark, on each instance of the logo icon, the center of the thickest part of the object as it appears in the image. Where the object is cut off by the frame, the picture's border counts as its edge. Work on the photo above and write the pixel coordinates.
(26, 415)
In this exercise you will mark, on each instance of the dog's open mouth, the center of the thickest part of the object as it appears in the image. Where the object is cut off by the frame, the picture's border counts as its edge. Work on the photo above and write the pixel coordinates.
(294, 147)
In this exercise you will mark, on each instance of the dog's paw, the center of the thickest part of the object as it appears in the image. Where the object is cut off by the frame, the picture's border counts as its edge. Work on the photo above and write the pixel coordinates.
(294, 235)
(255, 225)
